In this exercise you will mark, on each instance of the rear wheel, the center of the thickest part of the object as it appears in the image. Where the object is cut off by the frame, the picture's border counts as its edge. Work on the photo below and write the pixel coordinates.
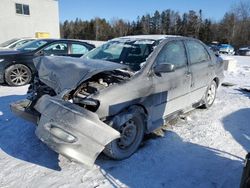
(132, 133)
(17, 75)
(210, 95)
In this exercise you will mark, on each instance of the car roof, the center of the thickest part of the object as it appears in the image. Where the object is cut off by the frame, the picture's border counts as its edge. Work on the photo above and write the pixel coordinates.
(149, 37)
(54, 40)
(64, 40)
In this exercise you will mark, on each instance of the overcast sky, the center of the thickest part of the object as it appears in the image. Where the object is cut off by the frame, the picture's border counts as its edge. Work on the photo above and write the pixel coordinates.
(130, 9)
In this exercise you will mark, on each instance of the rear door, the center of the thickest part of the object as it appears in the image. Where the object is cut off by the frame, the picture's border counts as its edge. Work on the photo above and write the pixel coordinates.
(201, 69)
(172, 87)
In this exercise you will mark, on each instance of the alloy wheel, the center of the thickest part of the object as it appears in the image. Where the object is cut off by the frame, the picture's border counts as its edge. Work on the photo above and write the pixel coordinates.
(211, 94)
(19, 76)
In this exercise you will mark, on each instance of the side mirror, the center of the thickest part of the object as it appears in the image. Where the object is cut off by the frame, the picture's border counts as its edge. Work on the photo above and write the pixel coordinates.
(164, 68)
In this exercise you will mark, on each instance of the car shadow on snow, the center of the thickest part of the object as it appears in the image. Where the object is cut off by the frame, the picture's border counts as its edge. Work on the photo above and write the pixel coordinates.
(172, 162)
(18, 139)
(238, 124)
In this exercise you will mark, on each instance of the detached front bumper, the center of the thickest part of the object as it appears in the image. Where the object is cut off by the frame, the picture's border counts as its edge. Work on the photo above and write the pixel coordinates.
(72, 131)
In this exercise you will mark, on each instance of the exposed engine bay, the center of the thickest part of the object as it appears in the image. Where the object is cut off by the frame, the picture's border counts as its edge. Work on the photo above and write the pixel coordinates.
(101, 81)
(78, 96)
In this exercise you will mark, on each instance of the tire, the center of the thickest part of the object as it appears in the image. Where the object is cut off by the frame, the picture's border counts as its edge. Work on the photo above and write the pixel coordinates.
(124, 147)
(18, 75)
(210, 95)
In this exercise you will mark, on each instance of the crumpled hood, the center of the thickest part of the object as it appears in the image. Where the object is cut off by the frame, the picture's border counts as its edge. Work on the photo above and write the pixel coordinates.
(63, 74)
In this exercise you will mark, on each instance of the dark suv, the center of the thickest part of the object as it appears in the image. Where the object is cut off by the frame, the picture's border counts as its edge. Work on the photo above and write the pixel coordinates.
(118, 92)
(17, 68)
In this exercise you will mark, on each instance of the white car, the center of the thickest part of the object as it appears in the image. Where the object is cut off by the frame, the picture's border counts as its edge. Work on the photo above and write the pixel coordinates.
(15, 43)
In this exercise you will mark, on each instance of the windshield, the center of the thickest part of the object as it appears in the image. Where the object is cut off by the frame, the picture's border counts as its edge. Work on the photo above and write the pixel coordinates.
(20, 43)
(131, 53)
(7, 43)
(33, 45)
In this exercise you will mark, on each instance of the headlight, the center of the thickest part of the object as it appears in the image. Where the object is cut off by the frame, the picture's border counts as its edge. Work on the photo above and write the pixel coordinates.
(90, 104)
(1, 60)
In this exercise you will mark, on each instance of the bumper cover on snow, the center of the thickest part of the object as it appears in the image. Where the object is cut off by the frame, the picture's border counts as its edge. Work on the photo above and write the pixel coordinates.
(72, 131)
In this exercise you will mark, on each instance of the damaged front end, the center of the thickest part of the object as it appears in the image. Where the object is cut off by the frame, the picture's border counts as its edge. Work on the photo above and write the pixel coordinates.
(72, 131)
(64, 108)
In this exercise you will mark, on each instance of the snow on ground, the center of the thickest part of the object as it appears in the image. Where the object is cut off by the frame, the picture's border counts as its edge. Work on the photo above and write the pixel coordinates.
(205, 150)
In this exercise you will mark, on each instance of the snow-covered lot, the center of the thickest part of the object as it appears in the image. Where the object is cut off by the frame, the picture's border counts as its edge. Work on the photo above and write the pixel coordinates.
(206, 149)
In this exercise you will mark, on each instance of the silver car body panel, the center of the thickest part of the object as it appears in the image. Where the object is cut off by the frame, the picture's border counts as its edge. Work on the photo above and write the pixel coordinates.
(88, 134)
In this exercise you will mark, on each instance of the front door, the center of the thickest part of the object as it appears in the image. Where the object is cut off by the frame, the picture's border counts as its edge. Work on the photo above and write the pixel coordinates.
(172, 87)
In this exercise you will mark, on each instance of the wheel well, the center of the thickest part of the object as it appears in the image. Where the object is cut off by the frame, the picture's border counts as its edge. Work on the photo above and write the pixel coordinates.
(216, 81)
(142, 107)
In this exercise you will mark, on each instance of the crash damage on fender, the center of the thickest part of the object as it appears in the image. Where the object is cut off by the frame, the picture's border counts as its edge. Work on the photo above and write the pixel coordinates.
(107, 100)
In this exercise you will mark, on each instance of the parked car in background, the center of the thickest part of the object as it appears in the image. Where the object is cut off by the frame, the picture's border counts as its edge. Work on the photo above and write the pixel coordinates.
(226, 49)
(15, 43)
(17, 68)
(118, 92)
(244, 51)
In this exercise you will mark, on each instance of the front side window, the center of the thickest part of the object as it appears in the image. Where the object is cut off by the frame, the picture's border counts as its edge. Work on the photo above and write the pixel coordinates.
(173, 53)
(22, 9)
(197, 52)
(78, 49)
(56, 49)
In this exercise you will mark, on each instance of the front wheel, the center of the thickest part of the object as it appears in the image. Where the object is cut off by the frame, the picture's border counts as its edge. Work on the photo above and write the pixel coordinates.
(132, 133)
(210, 95)
(18, 75)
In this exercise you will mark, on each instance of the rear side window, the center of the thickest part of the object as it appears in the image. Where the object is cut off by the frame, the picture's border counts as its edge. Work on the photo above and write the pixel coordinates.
(78, 49)
(197, 52)
(173, 53)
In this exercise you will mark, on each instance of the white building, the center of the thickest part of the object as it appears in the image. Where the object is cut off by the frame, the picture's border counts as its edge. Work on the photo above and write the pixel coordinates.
(29, 18)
